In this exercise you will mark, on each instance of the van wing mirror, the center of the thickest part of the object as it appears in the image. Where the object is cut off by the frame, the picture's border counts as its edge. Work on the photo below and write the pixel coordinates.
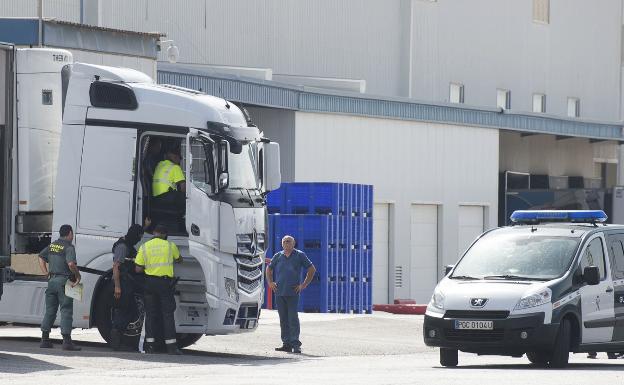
(591, 275)
(272, 176)
(447, 269)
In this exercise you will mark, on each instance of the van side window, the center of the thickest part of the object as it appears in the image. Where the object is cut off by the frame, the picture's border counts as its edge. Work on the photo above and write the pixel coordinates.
(617, 266)
(594, 256)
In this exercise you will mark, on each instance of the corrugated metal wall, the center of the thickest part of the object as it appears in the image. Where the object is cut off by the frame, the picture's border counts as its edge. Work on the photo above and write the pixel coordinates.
(67, 10)
(358, 39)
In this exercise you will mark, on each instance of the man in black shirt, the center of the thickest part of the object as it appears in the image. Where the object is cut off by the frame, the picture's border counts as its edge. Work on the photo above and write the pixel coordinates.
(123, 294)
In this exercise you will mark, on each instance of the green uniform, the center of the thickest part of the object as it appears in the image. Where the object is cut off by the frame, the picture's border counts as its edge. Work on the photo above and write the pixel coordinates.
(58, 255)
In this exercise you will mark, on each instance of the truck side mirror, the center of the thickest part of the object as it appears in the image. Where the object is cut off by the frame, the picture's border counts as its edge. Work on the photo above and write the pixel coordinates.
(272, 177)
(591, 275)
(222, 167)
(447, 269)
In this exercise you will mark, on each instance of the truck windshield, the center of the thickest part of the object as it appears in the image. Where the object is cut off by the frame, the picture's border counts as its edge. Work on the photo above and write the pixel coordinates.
(517, 256)
(243, 168)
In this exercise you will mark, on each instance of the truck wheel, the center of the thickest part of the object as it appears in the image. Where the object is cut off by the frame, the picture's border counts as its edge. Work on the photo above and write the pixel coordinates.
(187, 339)
(538, 358)
(448, 357)
(561, 351)
(104, 316)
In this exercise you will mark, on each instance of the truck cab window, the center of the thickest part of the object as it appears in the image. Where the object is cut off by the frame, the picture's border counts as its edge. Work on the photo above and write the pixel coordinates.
(594, 256)
(202, 169)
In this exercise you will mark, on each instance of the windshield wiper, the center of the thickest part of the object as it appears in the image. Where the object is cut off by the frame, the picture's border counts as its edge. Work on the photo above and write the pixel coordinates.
(465, 277)
(511, 276)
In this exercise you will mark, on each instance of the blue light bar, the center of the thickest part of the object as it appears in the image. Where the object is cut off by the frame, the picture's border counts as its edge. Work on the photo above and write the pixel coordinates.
(575, 216)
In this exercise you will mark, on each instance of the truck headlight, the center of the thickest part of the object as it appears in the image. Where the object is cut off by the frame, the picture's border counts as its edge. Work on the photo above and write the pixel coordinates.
(230, 289)
(437, 300)
(535, 299)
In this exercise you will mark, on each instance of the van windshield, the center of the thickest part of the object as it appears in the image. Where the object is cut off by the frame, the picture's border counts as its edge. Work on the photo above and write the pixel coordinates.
(517, 256)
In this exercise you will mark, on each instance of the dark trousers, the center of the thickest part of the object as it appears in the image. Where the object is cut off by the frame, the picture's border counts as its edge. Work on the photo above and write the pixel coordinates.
(289, 319)
(54, 298)
(123, 308)
(159, 308)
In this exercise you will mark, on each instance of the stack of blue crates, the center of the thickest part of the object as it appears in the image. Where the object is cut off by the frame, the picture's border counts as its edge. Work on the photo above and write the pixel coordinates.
(333, 224)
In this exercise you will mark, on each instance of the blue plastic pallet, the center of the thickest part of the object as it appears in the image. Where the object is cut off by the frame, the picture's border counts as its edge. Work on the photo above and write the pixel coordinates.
(315, 235)
(316, 198)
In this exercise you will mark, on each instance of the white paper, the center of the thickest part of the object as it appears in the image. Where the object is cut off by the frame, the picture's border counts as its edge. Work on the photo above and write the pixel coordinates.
(73, 292)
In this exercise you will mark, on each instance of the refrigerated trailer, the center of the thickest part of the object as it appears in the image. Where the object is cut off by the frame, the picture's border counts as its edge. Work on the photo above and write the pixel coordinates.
(90, 172)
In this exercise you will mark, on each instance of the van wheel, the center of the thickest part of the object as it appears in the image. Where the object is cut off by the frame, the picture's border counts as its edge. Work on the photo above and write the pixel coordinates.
(104, 316)
(561, 351)
(538, 358)
(448, 357)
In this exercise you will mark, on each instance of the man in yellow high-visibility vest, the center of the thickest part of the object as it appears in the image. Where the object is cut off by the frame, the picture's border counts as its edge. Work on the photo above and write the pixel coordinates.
(156, 258)
(169, 186)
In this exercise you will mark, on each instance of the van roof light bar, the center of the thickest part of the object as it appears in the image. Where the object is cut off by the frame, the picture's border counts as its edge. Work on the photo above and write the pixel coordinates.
(574, 216)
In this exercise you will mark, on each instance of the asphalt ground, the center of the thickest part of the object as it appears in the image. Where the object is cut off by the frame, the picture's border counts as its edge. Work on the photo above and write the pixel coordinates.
(337, 349)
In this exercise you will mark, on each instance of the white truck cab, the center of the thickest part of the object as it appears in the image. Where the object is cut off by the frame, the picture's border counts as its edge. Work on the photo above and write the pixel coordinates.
(97, 174)
(551, 284)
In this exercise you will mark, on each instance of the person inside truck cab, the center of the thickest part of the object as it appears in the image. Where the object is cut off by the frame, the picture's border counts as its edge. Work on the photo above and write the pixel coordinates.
(169, 187)
(152, 156)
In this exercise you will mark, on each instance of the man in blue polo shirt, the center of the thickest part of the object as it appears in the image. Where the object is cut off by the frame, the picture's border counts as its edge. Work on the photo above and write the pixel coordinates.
(287, 266)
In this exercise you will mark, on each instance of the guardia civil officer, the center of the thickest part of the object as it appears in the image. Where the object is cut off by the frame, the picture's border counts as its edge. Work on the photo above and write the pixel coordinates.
(123, 271)
(58, 263)
(156, 258)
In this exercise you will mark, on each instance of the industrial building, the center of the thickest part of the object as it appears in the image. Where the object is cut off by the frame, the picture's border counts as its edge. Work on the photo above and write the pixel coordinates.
(455, 111)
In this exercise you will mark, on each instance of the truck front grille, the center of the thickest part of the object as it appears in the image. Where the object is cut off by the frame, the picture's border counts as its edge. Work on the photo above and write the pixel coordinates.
(249, 272)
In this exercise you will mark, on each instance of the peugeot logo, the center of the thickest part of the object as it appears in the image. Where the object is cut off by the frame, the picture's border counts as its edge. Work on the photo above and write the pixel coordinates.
(478, 302)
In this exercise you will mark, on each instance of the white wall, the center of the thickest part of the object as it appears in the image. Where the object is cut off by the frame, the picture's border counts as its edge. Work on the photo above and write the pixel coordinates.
(145, 65)
(490, 44)
(395, 46)
(279, 126)
(408, 163)
(544, 154)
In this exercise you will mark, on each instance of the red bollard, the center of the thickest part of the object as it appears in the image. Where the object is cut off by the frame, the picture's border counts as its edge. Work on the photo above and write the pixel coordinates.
(269, 304)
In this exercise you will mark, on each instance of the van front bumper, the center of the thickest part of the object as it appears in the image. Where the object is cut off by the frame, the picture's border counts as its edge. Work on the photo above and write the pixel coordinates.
(505, 339)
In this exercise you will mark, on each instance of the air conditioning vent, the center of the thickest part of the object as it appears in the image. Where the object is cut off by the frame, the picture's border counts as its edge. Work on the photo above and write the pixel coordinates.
(112, 95)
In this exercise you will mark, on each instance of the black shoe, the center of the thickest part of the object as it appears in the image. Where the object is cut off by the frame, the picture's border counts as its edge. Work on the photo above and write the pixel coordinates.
(612, 356)
(115, 339)
(46, 344)
(592, 355)
(284, 348)
(68, 344)
(296, 350)
(172, 349)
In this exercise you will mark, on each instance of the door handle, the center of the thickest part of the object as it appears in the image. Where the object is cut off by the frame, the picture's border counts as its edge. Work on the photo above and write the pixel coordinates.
(609, 289)
(195, 231)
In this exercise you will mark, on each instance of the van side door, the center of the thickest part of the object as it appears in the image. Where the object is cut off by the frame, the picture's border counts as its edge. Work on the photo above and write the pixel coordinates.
(598, 319)
(616, 256)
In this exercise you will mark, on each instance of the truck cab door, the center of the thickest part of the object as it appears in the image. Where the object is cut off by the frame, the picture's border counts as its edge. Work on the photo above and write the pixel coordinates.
(202, 210)
(597, 310)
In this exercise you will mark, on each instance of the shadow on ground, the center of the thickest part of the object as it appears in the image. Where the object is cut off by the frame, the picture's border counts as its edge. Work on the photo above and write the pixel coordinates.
(16, 364)
(30, 345)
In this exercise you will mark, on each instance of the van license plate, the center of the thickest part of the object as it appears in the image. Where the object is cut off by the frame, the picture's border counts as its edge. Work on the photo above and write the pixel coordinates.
(474, 325)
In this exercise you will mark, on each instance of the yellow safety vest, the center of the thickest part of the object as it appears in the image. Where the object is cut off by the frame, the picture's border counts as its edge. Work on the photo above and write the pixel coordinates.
(157, 256)
(164, 179)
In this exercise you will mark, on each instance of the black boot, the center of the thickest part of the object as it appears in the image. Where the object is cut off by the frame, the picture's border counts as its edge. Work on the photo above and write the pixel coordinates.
(115, 339)
(45, 341)
(173, 350)
(68, 344)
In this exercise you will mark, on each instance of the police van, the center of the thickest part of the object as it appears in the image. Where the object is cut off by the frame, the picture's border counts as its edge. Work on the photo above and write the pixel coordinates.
(550, 284)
